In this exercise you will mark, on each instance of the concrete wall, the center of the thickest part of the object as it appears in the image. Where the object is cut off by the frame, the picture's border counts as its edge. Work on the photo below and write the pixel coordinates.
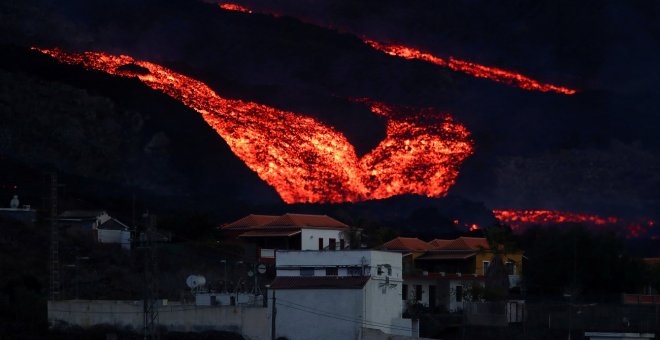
(318, 314)
(115, 236)
(252, 322)
(309, 238)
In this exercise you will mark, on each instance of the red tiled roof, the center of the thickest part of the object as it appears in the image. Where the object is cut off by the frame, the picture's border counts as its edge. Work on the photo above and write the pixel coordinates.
(269, 233)
(433, 255)
(446, 276)
(406, 243)
(322, 282)
(466, 243)
(250, 221)
(305, 221)
(438, 243)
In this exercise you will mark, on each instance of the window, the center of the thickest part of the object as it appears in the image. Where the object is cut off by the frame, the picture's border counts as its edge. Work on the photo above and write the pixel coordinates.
(510, 268)
(354, 271)
(342, 244)
(404, 292)
(306, 271)
(320, 243)
(333, 244)
(331, 271)
(418, 292)
(459, 293)
(486, 264)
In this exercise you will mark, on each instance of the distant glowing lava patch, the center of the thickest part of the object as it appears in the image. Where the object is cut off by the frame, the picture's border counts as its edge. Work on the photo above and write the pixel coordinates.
(304, 160)
(519, 219)
(234, 7)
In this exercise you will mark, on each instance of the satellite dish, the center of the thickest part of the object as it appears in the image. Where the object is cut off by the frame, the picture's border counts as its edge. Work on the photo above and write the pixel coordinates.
(195, 281)
(261, 268)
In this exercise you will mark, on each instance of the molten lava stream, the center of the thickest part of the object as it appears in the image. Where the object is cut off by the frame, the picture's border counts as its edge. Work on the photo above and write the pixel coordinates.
(473, 69)
(304, 160)
(480, 71)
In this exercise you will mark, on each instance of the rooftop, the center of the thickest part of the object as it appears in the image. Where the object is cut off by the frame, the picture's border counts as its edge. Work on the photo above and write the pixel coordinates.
(407, 243)
(286, 221)
(465, 243)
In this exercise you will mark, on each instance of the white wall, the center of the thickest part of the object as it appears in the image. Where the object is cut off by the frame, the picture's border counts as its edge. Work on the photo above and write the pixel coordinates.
(380, 305)
(252, 322)
(310, 238)
(115, 236)
(318, 314)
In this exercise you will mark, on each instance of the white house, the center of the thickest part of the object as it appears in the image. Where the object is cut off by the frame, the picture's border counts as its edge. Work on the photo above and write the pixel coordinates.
(113, 231)
(289, 232)
(338, 294)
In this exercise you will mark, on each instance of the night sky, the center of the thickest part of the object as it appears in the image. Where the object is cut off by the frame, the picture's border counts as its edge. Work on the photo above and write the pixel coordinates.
(595, 151)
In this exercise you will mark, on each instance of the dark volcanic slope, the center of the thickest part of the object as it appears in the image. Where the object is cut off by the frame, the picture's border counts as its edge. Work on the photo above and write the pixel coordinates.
(531, 149)
(114, 130)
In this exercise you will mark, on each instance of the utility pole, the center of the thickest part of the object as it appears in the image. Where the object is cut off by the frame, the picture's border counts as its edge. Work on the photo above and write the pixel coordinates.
(54, 241)
(273, 313)
(150, 306)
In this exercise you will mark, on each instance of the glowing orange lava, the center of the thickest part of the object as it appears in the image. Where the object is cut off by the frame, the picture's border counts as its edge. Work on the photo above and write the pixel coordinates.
(234, 7)
(518, 219)
(473, 69)
(304, 160)
(480, 71)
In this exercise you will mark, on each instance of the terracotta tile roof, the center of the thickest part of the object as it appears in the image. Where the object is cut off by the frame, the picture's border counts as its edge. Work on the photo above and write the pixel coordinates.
(438, 243)
(466, 243)
(305, 221)
(319, 282)
(269, 233)
(443, 255)
(250, 221)
(406, 243)
(446, 276)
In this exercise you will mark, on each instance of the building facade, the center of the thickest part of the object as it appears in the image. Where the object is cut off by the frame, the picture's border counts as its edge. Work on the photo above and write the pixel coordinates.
(335, 295)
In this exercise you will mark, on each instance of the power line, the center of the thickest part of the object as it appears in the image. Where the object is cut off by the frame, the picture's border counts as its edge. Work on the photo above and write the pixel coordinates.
(293, 305)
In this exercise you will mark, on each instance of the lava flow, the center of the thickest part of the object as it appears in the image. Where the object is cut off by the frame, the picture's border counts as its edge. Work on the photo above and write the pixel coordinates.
(519, 219)
(476, 70)
(473, 69)
(234, 7)
(304, 160)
